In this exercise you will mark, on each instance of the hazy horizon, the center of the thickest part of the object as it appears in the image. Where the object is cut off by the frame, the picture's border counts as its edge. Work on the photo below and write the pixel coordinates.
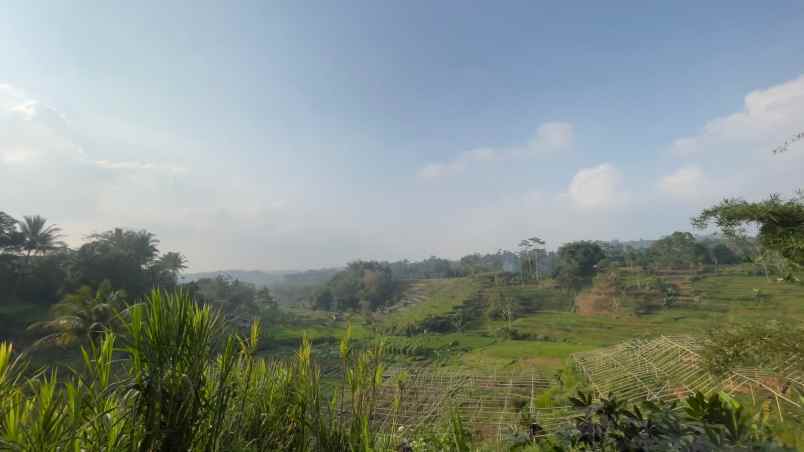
(291, 136)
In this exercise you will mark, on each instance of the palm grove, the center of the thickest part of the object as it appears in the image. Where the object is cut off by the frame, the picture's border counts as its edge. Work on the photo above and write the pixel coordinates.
(82, 286)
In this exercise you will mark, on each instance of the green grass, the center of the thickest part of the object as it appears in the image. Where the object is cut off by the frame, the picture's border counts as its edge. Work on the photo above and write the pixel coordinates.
(513, 356)
(535, 297)
(316, 331)
(736, 293)
(725, 297)
(440, 297)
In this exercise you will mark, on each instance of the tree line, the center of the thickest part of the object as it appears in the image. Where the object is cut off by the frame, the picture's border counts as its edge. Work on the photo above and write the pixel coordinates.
(38, 267)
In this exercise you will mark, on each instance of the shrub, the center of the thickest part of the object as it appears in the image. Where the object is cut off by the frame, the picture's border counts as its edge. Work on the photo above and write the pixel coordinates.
(701, 423)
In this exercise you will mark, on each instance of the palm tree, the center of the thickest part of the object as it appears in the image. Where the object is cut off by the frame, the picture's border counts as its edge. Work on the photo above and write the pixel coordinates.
(143, 246)
(81, 316)
(165, 271)
(140, 245)
(38, 238)
(173, 263)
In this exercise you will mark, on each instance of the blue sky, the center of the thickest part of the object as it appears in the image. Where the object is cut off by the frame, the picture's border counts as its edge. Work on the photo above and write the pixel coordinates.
(305, 134)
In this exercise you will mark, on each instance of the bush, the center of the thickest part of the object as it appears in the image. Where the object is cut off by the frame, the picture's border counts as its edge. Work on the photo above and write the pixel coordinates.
(700, 423)
(506, 332)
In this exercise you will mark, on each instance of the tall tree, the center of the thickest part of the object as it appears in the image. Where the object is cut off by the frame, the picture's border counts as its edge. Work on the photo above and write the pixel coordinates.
(679, 249)
(532, 254)
(173, 262)
(577, 263)
(38, 237)
(125, 257)
(780, 222)
(142, 246)
(166, 268)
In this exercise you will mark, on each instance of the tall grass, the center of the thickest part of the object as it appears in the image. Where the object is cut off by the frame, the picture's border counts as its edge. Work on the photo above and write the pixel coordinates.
(172, 381)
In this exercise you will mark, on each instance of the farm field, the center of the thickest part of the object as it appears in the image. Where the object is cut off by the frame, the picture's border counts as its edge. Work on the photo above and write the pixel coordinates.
(496, 370)
(549, 335)
(550, 332)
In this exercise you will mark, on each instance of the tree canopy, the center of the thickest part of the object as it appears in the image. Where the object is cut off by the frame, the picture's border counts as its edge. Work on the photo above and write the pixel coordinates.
(36, 266)
(366, 285)
(37, 236)
(679, 249)
(780, 222)
(577, 262)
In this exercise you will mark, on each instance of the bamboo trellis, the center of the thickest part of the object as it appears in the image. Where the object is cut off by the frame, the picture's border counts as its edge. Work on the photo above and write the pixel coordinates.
(669, 367)
(493, 404)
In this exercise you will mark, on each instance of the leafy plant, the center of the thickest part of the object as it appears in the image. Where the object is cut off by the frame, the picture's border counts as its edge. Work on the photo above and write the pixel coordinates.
(82, 316)
(716, 422)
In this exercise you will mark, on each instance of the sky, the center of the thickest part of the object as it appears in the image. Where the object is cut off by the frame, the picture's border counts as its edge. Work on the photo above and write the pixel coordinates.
(292, 135)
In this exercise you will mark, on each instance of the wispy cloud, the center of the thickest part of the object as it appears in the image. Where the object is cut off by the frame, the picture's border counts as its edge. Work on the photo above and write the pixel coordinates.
(550, 137)
(132, 165)
(44, 136)
(458, 164)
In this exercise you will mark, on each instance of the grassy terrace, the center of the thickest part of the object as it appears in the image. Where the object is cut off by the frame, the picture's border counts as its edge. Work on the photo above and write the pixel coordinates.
(554, 331)
(724, 298)
(440, 296)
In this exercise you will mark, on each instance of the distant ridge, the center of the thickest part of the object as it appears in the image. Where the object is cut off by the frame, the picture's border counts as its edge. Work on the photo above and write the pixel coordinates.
(273, 278)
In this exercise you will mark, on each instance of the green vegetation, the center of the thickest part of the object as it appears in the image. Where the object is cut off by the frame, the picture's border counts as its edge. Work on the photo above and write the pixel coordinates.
(172, 381)
(780, 223)
(182, 385)
(82, 316)
(365, 286)
(577, 262)
(714, 423)
(510, 313)
(439, 298)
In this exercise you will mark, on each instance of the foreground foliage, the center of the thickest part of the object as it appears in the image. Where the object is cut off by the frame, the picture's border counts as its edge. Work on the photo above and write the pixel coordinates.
(780, 222)
(700, 423)
(171, 381)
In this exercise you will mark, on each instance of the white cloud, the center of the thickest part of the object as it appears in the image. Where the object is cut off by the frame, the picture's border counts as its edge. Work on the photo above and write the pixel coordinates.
(768, 118)
(687, 183)
(74, 174)
(131, 165)
(14, 102)
(45, 169)
(599, 187)
(32, 133)
(27, 109)
(13, 156)
(10, 96)
(733, 153)
(457, 165)
(550, 137)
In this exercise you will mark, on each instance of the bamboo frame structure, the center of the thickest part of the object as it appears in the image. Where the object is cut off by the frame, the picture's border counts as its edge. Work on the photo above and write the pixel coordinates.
(670, 367)
(494, 404)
